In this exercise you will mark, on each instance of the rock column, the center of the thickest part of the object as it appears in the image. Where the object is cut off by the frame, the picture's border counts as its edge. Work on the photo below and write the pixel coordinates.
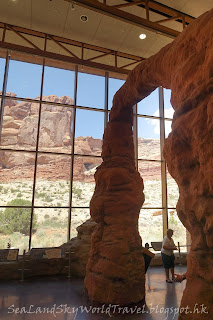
(115, 270)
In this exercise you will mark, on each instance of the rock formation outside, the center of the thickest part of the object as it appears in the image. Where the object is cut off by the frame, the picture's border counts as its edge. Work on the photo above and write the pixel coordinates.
(185, 66)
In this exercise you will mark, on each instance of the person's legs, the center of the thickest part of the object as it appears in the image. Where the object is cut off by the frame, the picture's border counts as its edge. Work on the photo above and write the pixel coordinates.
(167, 274)
(166, 264)
(172, 272)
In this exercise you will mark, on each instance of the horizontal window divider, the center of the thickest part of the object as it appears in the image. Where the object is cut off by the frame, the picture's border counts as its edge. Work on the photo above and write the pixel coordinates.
(58, 104)
(89, 108)
(80, 207)
(21, 99)
(149, 117)
(34, 151)
(42, 207)
(40, 101)
(50, 152)
(16, 150)
(152, 117)
(87, 155)
(53, 207)
(77, 106)
(152, 208)
(22, 207)
(168, 119)
(151, 160)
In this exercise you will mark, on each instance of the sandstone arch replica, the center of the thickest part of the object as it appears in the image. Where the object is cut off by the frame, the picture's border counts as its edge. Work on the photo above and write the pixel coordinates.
(115, 267)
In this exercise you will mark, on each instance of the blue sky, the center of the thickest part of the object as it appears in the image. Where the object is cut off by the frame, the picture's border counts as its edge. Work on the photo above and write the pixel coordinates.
(24, 79)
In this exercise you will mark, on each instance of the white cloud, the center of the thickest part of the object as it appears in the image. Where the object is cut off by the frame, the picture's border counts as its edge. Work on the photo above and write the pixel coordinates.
(156, 123)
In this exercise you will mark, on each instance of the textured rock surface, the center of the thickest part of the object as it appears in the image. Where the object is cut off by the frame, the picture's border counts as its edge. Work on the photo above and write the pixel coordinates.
(185, 66)
(81, 247)
(115, 268)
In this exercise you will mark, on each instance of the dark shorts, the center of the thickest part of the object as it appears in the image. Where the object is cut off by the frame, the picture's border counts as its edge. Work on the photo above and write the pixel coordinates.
(168, 261)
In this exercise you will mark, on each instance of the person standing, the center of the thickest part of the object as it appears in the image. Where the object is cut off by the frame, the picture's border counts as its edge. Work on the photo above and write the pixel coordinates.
(167, 255)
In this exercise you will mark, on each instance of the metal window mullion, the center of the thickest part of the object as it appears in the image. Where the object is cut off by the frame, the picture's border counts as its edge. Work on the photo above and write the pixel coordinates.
(163, 163)
(106, 100)
(72, 154)
(4, 91)
(135, 134)
(37, 144)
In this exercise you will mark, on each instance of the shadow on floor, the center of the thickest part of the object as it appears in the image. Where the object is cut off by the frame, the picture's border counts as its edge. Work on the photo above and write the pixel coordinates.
(50, 298)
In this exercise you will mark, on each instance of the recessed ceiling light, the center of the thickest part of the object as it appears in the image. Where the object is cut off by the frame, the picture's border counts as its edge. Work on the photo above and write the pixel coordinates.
(142, 36)
(84, 18)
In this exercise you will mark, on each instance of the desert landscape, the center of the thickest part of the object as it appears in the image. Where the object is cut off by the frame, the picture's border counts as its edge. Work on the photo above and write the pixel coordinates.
(54, 164)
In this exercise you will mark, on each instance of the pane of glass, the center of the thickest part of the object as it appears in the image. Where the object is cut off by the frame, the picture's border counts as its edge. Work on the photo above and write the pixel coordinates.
(24, 79)
(150, 220)
(148, 139)
(150, 171)
(14, 228)
(20, 123)
(50, 227)
(150, 105)
(179, 229)
(89, 131)
(16, 177)
(2, 69)
(58, 85)
(55, 128)
(168, 127)
(83, 180)
(79, 216)
(52, 182)
(168, 110)
(172, 191)
(91, 90)
(114, 86)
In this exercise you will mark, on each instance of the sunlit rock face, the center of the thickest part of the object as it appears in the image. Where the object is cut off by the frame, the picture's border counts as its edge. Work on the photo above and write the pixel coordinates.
(185, 66)
(115, 270)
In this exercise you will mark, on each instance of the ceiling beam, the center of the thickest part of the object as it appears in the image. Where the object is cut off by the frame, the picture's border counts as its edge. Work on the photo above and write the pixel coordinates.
(128, 4)
(60, 57)
(38, 34)
(126, 17)
(168, 19)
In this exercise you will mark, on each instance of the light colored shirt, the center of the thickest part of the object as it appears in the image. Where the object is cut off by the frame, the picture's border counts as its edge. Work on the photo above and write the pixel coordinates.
(168, 243)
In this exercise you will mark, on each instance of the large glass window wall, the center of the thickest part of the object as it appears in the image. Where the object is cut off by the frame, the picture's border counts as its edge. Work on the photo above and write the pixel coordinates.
(52, 124)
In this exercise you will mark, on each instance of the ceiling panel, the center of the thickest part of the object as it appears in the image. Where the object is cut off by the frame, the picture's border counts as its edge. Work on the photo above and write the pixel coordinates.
(111, 31)
(78, 30)
(16, 12)
(175, 4)
(197, 7)
(191, 7)
(49, 16)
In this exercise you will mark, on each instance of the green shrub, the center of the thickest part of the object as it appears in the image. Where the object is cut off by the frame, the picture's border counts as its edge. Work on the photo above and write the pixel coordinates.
(46, 216)
(17, 219)
(19, 195)
(47, 198)
(77, 192)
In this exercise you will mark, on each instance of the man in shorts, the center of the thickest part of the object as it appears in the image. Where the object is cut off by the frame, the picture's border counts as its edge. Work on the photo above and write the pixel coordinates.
(167, 255)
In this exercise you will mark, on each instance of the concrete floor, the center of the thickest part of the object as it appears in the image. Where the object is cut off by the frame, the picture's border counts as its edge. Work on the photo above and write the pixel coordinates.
(64, 295)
